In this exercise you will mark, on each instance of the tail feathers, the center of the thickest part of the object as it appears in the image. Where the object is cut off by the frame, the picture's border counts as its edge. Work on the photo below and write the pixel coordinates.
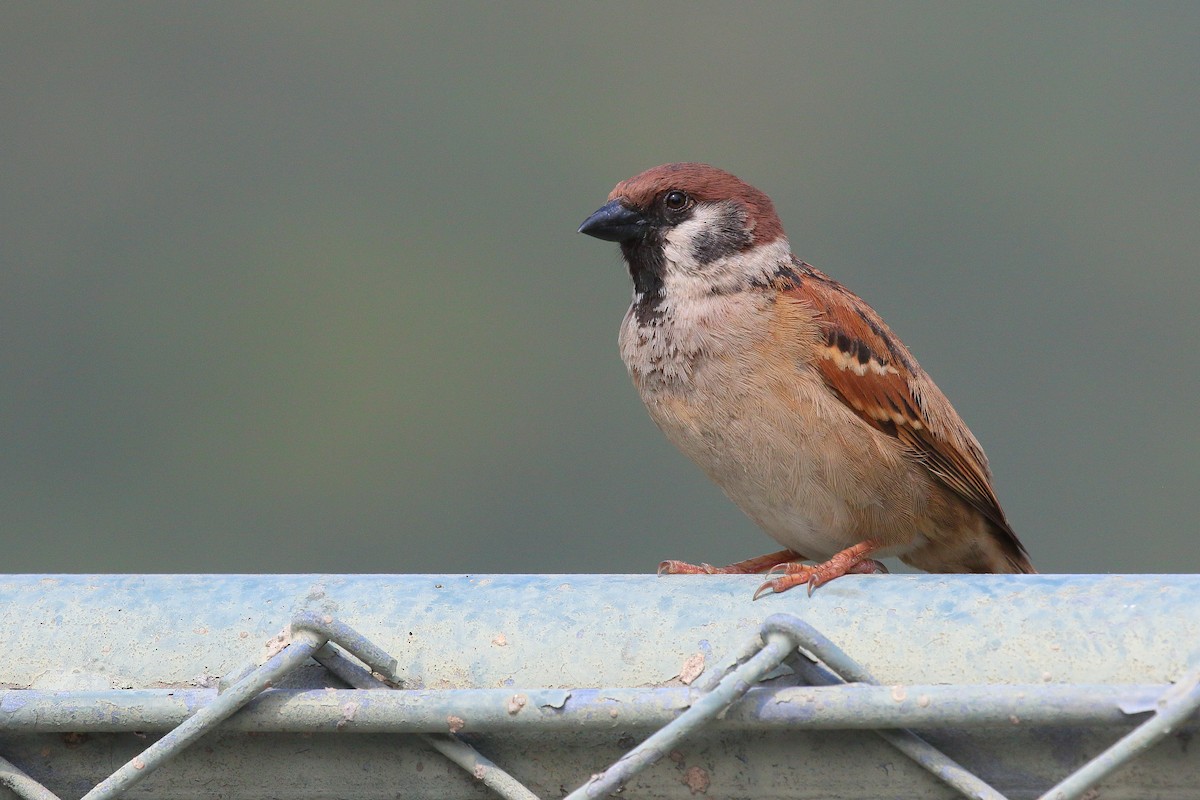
(981, 548)
(1015, 554)
(1021, 564)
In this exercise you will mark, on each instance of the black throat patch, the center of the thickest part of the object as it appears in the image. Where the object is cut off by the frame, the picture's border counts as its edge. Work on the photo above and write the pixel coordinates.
(646, 265)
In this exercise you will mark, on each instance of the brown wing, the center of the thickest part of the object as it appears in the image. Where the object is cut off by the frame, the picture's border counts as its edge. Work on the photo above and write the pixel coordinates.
(873, 373)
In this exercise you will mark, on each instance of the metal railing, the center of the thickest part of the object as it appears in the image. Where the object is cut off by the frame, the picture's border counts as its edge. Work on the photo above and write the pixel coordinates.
(785, 676)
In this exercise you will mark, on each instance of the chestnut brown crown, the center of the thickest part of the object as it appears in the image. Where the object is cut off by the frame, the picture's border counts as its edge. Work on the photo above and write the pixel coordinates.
(666, 195)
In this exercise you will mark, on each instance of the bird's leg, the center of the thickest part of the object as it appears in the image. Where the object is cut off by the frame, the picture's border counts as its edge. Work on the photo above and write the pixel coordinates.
(750, 566)
(852, 560)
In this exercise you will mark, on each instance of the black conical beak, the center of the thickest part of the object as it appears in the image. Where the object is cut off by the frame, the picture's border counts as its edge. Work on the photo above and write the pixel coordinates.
(614, 222)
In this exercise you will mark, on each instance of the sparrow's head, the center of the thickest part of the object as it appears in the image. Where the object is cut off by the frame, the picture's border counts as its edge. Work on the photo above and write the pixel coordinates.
(690, 221)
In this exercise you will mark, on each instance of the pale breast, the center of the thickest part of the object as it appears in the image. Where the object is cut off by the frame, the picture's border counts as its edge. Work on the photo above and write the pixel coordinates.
(727, 384)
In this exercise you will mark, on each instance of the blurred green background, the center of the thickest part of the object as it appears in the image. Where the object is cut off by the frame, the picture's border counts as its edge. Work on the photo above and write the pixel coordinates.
(296, 287)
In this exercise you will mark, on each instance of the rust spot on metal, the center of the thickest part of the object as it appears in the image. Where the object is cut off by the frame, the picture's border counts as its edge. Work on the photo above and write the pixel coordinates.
(697, 780)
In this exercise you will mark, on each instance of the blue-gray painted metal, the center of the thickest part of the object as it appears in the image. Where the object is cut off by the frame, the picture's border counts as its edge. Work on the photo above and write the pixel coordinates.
(565, 631)
(205, 719)
(20, 784)
(310, 636)
(703, 711)
(1083, 635)
(1177, 704)
(843, 668)
(449, 745)
(309, 632)
(780, 636)
(778, 707)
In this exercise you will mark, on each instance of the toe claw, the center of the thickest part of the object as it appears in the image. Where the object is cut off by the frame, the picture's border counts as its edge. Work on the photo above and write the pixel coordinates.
(778, 569)
(761, 590)
(792, 575)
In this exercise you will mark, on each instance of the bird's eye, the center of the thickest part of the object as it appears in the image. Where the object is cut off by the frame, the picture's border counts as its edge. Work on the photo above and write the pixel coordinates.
(675, 200)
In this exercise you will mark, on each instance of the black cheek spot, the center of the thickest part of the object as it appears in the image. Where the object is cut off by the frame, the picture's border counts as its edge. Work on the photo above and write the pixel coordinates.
(725, 237)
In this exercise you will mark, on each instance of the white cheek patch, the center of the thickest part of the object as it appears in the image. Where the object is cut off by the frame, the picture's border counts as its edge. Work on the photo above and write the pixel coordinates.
(686, 278)
(679, 242)
(715, 241)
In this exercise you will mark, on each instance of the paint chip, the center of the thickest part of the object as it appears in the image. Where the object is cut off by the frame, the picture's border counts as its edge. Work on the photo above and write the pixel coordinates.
(349, 712)
(691, 669)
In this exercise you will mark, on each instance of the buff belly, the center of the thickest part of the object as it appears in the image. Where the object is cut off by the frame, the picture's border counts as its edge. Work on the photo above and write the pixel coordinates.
(811, 487)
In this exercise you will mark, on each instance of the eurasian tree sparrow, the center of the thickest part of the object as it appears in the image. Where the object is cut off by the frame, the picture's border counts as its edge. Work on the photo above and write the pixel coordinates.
(791, 393)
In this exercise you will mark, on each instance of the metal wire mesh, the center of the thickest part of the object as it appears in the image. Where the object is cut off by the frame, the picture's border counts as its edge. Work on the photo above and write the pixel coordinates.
(827, 689)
